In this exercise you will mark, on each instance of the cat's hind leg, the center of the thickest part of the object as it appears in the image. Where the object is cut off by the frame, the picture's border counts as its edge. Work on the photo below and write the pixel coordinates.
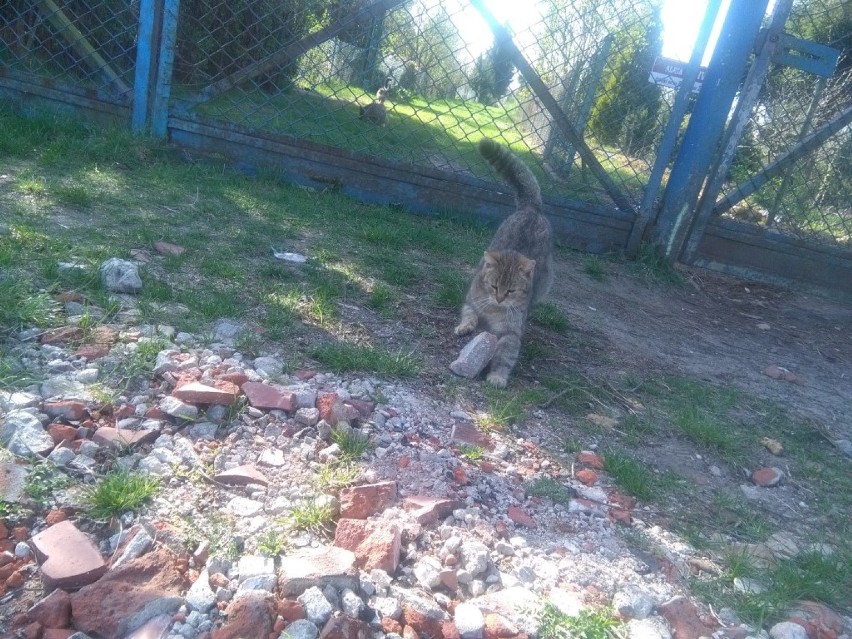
(508, 348)
(468, 322)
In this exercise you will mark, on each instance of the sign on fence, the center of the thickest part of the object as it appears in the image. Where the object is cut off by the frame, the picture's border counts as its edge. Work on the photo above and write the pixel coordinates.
(669, 73)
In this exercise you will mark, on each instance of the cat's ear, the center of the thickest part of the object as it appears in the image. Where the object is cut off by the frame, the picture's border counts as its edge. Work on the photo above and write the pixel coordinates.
(489, 259)
(528, 265)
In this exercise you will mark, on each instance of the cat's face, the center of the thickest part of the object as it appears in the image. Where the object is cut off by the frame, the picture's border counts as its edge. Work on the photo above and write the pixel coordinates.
(507, 277)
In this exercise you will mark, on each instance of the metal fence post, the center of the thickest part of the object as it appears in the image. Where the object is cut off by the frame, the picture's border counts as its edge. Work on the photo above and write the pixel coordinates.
(146, 56)
(706, 126)
(163, 88)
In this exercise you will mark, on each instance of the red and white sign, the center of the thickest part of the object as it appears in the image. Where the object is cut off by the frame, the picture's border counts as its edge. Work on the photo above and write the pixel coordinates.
(669, 73)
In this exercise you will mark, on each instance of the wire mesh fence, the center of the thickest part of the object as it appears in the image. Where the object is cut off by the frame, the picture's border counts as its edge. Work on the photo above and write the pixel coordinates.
(448, 81)
(89, 45)
(419, 82)
(813, 198)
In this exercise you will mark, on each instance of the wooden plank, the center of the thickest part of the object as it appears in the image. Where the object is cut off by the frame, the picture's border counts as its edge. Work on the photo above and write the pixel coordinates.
(771, 257)
(84, 48)
(89, 103)
(418, 189)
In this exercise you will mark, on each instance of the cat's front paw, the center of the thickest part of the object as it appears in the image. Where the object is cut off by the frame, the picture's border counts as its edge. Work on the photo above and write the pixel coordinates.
(464, 328)
(498, 379)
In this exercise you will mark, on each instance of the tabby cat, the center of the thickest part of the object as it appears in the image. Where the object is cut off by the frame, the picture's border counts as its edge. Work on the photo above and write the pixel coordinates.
(515, 272)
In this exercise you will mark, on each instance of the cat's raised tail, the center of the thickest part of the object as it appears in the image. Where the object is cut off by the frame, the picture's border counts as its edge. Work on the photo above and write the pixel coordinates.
(514, 172)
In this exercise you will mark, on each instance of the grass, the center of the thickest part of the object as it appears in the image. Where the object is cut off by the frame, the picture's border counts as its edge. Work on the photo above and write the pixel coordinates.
(470, 452)
(588, 624)
(343, 357)
(631, 476)
(352, 443)
(550, 316)
(550, 488)
(119, 492)
(314, 516)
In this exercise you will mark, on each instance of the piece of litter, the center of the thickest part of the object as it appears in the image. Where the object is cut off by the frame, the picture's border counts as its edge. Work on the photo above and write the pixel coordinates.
(298, 258)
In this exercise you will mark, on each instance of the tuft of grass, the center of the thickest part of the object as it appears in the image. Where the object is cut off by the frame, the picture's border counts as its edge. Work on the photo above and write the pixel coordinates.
(550, 488)
(631, 476)
(650, 265)
(550, 316)
(451, 290)
(382, 299)
(342, 357)
(271, 542)
(23, 307)
(588, 624)
(313, 516)
(593, 267)
(332, 477)
(503, 409)
(352, 443)
(470, 452)
(118, 492)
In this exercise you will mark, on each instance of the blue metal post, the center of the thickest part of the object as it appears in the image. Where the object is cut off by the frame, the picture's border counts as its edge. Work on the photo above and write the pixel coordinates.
(162, 92)
(667, 144)
(144, 59)
(706, 126)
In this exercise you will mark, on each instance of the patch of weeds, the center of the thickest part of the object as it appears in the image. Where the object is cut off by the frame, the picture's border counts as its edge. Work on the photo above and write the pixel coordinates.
(77, 196)
(636, 428)
(700, 412)
(211, 304)
(313, 516)
(573, 393)
(352, 443)
(24, 307)
(452, 287)
(397, 271)
(470, 452)
(140, 361)
(650, 265)
(730, 514)
(382, 299)
(271, 543)
(504, 408)
(10, 511)
(631, 476)
(550, 316)
(118, 492)
(218, 531)
(342, 357)
(593, 267)
(249, 343)
(13, 376)
(588, 624)
(43, 479)
(332, 477)
(550, 488)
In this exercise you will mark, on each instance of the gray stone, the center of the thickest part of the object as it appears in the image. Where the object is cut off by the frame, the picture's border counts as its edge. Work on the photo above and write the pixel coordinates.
(121, 276)
(387, 607)
(317, 567)
(632, 603)
(649, 628)
(23, 434)
(476, 354)
(268, 366)
(12, 480)
(204, 430)
(318, 609)
(176, 408)
(351, 604)
(139, 544)
(61, 456)
(300, 629)
(521, 606)
(307, 416)
(475, 557)
(244, 507)
(469, 620)
(255, 565)
(428, 572)
(200, 595)
(64, 387)
(787, 630)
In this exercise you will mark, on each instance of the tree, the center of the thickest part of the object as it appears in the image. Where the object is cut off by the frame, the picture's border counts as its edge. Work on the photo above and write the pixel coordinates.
(626, 113)
(492, 74)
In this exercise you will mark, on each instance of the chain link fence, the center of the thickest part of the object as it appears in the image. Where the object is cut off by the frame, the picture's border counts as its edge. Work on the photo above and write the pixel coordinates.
(449, 82)
(78, 43)
(813, 198)
(419, 82)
